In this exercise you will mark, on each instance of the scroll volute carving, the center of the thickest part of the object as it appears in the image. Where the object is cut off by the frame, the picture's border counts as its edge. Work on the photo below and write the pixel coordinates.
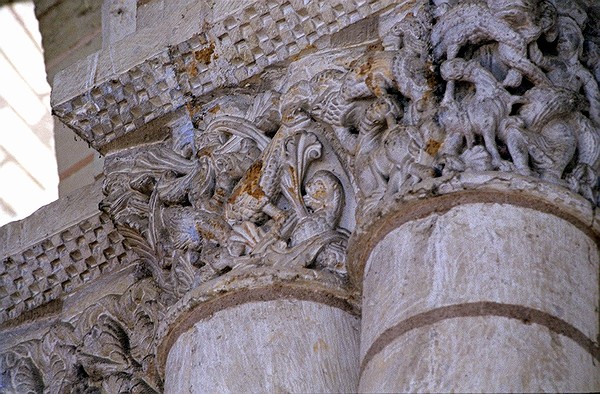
(240, 187)
(382, 108)
(457, 86)
(273, 178)
(466, 86)
(108, 348)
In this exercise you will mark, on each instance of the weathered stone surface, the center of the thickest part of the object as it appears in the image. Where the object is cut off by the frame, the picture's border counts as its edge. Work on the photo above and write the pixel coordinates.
(211, 50)
(275, 346)
(251, 284)
(481, 354)
(480, 260)
(119, 18)
(20, 234)
(47, 258)
(250, 143)
(68, 43)
(107, 347)
(442, 194)
(506, 254)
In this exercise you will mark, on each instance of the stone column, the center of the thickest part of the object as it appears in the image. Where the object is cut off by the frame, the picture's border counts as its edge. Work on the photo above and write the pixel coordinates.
(274, 335)
(267, 164)
(484, 290)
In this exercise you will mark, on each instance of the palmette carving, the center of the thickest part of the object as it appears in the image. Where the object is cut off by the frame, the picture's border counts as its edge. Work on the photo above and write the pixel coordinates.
(226, 195)
(231, 189)
(108, 348)
(259, 177)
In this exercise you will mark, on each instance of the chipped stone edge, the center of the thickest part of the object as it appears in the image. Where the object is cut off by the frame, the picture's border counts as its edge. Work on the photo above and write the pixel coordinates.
(26, 234)
(76, 207)
(81, 111)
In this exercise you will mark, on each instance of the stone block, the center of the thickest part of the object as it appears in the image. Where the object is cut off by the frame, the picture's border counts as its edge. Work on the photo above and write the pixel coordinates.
(482, 252)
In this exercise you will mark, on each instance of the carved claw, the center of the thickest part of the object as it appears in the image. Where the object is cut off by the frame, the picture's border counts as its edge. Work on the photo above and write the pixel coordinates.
(504, 165)
(449, 164)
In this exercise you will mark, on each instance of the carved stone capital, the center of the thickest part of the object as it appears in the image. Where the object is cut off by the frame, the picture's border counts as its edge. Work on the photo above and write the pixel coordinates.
(280, 185)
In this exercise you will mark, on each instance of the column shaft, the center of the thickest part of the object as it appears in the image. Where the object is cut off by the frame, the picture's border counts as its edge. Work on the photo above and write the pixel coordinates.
(484, 297)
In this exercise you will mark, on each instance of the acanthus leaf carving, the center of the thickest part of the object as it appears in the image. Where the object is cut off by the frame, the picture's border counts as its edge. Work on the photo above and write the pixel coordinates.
(230, 185)
(211, 199)
(252, 178)
(108, 348)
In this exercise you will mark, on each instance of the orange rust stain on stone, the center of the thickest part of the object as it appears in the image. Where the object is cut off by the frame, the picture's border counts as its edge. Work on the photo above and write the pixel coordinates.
(375, 47)
(371, 85)
(205, 151)
(294, 177)
(304, 51)
(192, 69)
(215, 109)
(206, 234)
(320, 194)
(365, 68)
(190, 108)
(432, 147)
(320, 345)
(288, 117)
(206, 55)
(250, 184)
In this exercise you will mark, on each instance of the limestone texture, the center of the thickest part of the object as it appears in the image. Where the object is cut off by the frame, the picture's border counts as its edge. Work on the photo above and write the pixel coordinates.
(529, 267)
(481, 354)
(274, 346)
(269, 163)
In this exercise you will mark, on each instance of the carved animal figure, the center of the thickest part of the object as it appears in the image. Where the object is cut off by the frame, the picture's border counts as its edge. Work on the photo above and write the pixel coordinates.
(255, 196)
(475, 23)
(404, 70)
(479, 113)
(556, 130)
(324, 199)
(384, 159)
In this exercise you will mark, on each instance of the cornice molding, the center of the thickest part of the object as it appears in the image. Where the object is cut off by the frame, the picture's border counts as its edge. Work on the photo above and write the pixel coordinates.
(232, 49)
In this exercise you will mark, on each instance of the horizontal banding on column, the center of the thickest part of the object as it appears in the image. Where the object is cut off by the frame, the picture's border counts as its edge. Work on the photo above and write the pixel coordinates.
(478, 309)
(235, 298)
(363, 244)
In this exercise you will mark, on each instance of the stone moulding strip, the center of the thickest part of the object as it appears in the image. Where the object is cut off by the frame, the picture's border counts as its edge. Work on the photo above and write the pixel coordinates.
(60, 264)
(124, 103)
(269, 285)
(480, 309)
(232, 49)
(367, 238)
